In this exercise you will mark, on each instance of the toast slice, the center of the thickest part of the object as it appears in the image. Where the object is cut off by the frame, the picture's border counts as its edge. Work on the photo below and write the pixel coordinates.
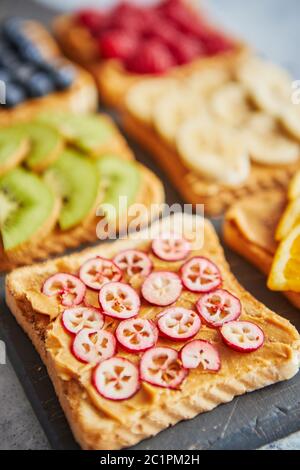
(249, 229)
(112, 79)
(80, 97)
(99, 423)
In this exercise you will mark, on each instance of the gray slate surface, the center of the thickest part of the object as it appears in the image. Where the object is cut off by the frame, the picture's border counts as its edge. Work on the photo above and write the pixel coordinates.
(271, 26)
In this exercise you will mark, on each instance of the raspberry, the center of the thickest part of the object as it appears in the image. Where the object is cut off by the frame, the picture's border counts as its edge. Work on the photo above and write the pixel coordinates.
(186, 49)
(130, 17)
(161, 30)
(216, 43)
(118, 44)
(151, 57)
(91, 19)
(183, 17)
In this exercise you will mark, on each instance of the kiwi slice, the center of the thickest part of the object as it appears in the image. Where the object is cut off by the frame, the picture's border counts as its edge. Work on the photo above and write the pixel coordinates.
(46, 144)
(27, 208)
(118, 178)
(91, 133)
(13, 148)
(75, 179)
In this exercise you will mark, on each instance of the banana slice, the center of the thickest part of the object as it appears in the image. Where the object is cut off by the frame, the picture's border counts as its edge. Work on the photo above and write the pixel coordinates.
(213, 150)
(266, 143)
(290, 120)
(268, 84)
(173, 108)
(142, 97)
(203, 82)
(231, 104)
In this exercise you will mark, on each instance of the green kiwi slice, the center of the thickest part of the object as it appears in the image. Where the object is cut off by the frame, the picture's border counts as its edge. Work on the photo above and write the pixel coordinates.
(13, 148)
(89, 132)
(118, 178)
(46, 144)
(27, 207)
(75, 179)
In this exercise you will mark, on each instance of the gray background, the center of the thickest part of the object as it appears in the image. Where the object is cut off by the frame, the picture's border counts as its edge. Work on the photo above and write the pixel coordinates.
(272, 26)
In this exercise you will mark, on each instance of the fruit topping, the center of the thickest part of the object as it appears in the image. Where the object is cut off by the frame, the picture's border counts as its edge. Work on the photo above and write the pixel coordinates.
(178, 323)
(76, 318)
(200, 275)
(162, 288)
(161, 367)
(28, 209)
(98, 271)
(133, 262)
(93, 345)
(117, 44)
(69, 289)
(119, 300)
(92, 19)
(116, 379)
(74, 179)
(137, 334)
(13, 148)
(171, 247)
(152, 57)
(242, 336)
(200, 353)
(219, 307)
(14, 94)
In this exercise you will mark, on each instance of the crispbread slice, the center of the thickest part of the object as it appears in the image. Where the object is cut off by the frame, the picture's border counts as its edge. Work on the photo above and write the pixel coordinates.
(81, 97)
(277, 360)
(249, 228)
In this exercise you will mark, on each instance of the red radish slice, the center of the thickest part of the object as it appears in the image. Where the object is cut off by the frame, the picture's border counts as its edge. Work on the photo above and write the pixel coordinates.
(67, 288)
(171, 247)
(98, 271)
(200, 353)
(160, 366)
(137, 334)
(76, 318)
(116, 379)
(119, 300)
(93, 346)
(242, 336)
(219, 307)
(134, 262)
(178, 323)
(200, 275)
(162, 288)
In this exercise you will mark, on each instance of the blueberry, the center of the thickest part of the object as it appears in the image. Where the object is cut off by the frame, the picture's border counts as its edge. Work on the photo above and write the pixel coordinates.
(12, 29)
(14, 94)
(5, 75)
(8, 57)
(40, 84)
(23, 73)
(63, 76)
(30, 52)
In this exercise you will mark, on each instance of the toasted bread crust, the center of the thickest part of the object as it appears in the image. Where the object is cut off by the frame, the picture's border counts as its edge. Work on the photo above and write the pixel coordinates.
(89, 427)
(258, 256)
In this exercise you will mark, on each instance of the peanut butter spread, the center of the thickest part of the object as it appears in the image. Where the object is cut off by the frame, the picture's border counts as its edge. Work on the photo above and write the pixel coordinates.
(278, 351)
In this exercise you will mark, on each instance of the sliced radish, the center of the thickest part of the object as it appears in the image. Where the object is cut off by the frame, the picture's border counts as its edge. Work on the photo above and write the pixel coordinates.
(179, 323)
(134, 262)
(137, 334)
(200, 275)
(93, 346)
(119, 300)
(98, 271)
(171, 247)
(76, 318)
(162, 288)
(219, 307)
(116, 378)
(160, 366)
(67, 288)
(200, 353)
(242, 336)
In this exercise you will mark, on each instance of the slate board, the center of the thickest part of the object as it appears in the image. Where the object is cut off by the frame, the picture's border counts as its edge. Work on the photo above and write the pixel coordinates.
(247, 422)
